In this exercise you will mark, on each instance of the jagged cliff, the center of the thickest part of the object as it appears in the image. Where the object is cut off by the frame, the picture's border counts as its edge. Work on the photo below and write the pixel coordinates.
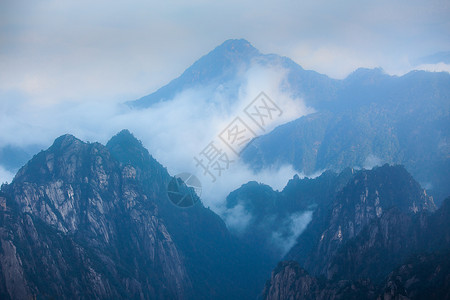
(368, 197)
(87, 221)
(290, 281)
(78, 223)
(378, 220)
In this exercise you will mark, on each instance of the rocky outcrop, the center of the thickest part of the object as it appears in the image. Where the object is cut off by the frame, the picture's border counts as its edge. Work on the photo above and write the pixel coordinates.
(290, 281)
(219, 265)
(388, 241)
(423, 276)
(360, 247)
(115, 242)
(87, 221)
(366, 198)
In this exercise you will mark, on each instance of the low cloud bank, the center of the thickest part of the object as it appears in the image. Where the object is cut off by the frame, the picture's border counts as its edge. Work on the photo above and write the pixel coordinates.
(173, 131)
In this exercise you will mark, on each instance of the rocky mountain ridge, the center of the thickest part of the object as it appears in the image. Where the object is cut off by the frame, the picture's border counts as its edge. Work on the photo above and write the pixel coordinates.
(381, 239)
(87, 221)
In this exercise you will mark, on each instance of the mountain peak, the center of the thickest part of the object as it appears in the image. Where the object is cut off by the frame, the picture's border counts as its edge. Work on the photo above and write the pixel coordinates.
(228, 54)
(236, 42)
(127, 148)
(237, 46)
(366, 75)
(389, 186)
(65, 141)
(219, 65)
(222, 61)
(124, 137)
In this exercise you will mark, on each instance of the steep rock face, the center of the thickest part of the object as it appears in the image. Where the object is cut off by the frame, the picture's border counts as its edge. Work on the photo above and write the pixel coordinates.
(97, 209)
(418, 276)
(290, 281)
(321, 192)
(364, 199)
(220, 266)
(359, 268)
(86, 221)
(425, 276)
(388, 241)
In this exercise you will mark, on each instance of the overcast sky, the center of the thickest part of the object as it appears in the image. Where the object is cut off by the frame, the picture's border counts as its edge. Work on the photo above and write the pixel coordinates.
(56, 50)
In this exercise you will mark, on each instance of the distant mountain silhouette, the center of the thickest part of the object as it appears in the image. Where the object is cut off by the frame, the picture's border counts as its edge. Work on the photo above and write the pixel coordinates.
(369, 115)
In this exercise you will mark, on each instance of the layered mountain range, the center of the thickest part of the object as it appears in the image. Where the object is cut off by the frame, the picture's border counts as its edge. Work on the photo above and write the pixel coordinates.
(271, 221)
(367, 119)
(84, 220)
(87, 221)
(381, 238)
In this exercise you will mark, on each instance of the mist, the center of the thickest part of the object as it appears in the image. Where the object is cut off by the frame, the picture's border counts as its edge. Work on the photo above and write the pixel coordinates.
(173, 131)
(5, 175)
(61, 52)
(372, 161)
(296, 224)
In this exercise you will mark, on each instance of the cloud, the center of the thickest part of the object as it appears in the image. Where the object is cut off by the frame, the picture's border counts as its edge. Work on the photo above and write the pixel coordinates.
(173, 131)
(295, 226)
(237, 218)
(5, 176)
(439, 67)
(372, 161)
(57, 51)
(238, 174)
(68, 66)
